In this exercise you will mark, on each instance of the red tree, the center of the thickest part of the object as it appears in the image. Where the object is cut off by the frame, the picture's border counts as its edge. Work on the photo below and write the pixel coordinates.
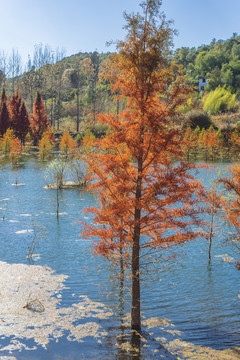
(4, 118)
(4, 114)
(19, 117)
(4, 96)
(39, 120)
(148, 200)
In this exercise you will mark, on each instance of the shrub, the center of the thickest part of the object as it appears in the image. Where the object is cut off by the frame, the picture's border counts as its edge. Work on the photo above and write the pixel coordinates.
(99, 130)
(220, 100)
(199, 118)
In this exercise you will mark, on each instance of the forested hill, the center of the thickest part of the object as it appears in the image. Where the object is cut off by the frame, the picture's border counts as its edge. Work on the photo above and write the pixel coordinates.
(73, 94)
(219, 62)
(70, 88)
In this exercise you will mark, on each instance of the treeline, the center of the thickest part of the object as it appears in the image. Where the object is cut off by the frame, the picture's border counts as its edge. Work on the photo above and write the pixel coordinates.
(12, 65)
(211, 143)
(12, 149)
(14, 116)
(71, 89)
(21, 132)
(74, 93)
(219, 62)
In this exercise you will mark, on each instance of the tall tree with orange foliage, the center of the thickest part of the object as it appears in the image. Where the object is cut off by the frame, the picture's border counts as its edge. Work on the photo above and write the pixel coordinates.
(148, 201)
(39, 120)
(19, 117)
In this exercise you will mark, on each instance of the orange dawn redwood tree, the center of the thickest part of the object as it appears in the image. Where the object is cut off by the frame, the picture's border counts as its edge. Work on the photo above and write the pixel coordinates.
(19, 117)
(148, 200)
(39, 120)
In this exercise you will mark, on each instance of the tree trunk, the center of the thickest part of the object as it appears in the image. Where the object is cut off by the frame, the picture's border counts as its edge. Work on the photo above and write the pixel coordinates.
(135, 312)
(121, 292)
(77, 128)
(57, 201)
(210, 236)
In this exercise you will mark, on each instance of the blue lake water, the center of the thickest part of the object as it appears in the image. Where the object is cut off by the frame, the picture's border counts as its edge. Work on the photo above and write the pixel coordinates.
(201, 300)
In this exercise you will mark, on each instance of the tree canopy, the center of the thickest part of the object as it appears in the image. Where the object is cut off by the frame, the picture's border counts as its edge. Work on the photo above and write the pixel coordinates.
(147, 199)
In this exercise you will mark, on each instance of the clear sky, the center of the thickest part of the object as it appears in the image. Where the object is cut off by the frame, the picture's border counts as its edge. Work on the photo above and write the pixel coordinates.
(86, 25)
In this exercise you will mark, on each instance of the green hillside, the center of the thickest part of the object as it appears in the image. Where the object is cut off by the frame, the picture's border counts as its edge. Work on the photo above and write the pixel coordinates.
(219, 62)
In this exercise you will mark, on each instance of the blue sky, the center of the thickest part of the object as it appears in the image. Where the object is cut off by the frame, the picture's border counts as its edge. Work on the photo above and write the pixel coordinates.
(86, 25)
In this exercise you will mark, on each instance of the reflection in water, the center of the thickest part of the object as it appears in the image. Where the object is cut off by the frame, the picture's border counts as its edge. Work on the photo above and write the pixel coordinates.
(200, 299)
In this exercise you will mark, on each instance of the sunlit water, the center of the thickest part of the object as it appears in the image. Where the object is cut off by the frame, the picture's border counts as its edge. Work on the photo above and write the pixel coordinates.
(201, 300)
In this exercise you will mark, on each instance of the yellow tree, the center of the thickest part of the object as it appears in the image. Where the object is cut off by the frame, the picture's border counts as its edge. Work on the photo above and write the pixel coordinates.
(68, 146)
(11, 146)
(46, 144)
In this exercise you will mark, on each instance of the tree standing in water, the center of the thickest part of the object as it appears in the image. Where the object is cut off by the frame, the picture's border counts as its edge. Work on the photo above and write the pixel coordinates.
(148, 200)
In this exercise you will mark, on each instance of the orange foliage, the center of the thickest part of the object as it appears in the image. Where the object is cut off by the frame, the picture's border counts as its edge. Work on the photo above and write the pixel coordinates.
(39, 120)
(19, 117)
(147, 199)
(134, 165)
(46, 144)
(210, 141)
(11, 146)
(88, 141)
(190, 141)
(235, 141)
(68, 146)
(232, 205)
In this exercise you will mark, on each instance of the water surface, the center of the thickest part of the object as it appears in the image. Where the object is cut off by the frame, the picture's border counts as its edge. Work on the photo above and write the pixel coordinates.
(199, 299)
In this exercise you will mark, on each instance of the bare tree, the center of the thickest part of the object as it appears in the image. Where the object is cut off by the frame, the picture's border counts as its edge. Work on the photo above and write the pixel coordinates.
(59, 54)
(15, 67)
(4, 66)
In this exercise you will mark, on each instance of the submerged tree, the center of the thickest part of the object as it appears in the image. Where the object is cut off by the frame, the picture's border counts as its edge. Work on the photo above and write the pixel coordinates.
(11, 146)
(55, 176)
(46, 144)
(148, 200)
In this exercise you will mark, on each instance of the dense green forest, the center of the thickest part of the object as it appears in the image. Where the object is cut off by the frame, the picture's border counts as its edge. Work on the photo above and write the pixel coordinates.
(219, 62)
